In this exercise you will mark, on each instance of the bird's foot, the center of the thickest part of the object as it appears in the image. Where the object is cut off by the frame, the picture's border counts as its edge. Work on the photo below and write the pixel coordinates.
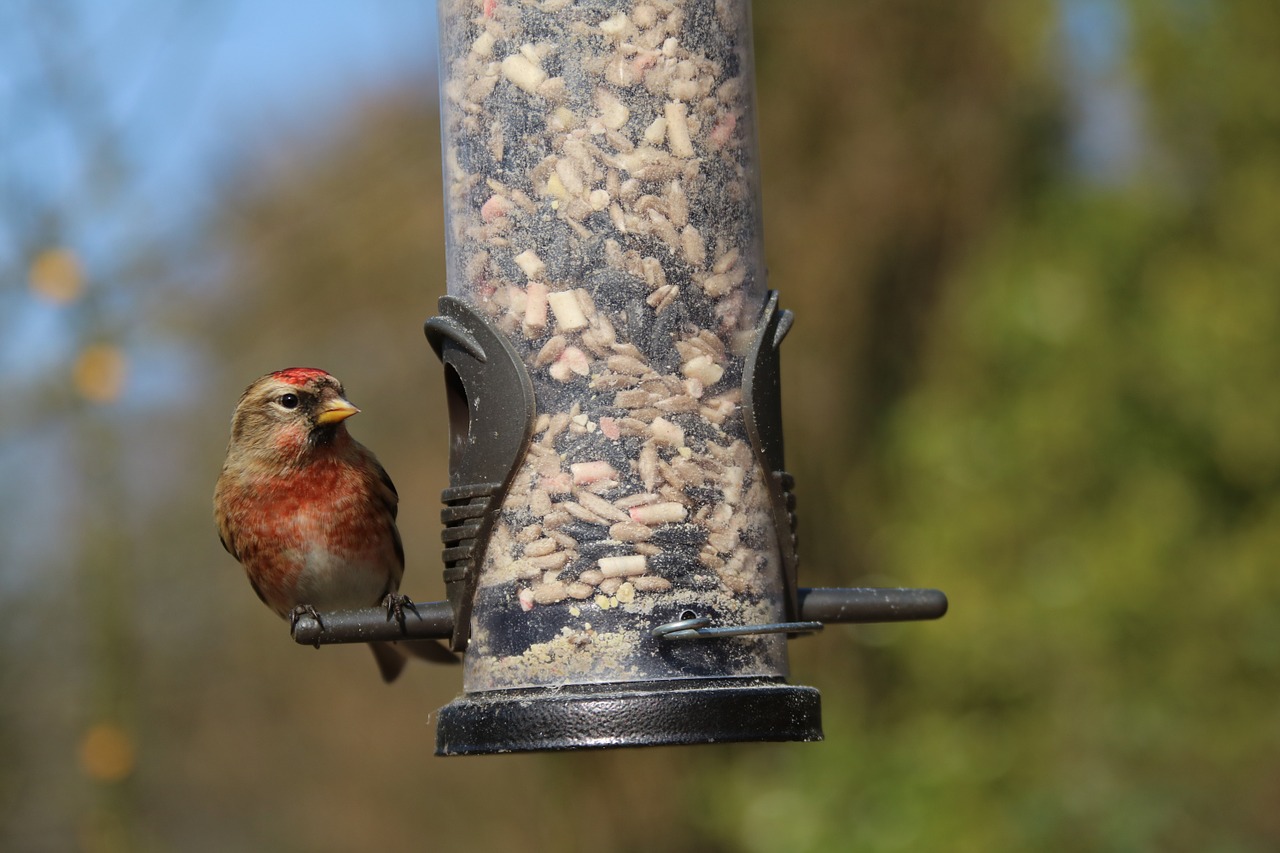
(305, 610)
(396, 605)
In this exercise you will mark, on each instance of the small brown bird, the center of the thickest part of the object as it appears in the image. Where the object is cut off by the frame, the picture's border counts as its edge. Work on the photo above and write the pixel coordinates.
(307, 509)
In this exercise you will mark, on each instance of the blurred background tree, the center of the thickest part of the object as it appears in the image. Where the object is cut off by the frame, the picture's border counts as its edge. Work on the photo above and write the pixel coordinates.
(1030, 250)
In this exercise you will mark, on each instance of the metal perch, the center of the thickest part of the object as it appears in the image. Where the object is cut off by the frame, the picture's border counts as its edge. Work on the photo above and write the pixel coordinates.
(433, 620)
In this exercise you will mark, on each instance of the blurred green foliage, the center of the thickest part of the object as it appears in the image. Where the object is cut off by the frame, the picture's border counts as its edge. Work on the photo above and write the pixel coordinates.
(1052, 396)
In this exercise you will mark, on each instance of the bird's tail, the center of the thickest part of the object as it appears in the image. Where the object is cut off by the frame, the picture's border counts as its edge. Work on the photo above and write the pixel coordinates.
(391, 657)
(390, 660)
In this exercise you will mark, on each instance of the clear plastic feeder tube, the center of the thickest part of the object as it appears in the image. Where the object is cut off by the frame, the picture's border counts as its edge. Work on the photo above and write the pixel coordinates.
(602, 206)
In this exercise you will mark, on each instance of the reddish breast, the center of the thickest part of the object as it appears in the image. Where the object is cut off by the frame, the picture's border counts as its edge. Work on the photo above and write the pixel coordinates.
(323, 508)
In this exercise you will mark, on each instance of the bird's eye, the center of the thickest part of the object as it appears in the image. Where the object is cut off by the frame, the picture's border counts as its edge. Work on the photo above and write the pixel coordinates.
(289, 401)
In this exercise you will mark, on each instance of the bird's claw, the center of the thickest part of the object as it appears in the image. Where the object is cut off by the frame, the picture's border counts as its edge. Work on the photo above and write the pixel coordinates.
(396, 605)
(305, 610)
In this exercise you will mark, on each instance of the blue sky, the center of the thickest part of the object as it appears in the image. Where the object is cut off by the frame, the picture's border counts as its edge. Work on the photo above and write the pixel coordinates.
(287, 60)
(185, 83)
(183, 90)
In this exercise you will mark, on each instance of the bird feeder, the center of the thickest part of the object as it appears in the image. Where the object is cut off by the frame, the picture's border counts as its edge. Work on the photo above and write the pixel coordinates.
(619, 529)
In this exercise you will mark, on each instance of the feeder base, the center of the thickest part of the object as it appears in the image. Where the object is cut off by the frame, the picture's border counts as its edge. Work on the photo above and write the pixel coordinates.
(647, 713)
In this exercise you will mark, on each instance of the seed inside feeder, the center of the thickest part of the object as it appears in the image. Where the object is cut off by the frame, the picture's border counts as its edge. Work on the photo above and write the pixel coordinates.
(602, 212)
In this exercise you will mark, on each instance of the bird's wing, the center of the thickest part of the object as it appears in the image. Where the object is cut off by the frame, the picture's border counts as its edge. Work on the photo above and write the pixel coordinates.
(228, 540)
(386, 494)
(391, 497)
(225, 536)
(399, 545)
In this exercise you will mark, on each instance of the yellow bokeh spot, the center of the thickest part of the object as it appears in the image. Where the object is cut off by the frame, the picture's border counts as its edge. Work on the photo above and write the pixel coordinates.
(55, 276)
(99, 372)
(107, 753)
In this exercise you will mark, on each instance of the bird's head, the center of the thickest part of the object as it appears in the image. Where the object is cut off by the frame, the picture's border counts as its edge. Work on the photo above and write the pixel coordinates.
(287, 414)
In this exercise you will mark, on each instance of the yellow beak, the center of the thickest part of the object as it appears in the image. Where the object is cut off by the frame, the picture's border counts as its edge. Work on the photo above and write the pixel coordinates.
(335, 411)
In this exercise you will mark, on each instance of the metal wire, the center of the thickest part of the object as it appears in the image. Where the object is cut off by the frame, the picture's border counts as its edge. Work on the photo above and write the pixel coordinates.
(699, 628)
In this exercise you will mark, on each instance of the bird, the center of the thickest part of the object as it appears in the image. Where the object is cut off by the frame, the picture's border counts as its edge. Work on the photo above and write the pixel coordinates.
(309, 512)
